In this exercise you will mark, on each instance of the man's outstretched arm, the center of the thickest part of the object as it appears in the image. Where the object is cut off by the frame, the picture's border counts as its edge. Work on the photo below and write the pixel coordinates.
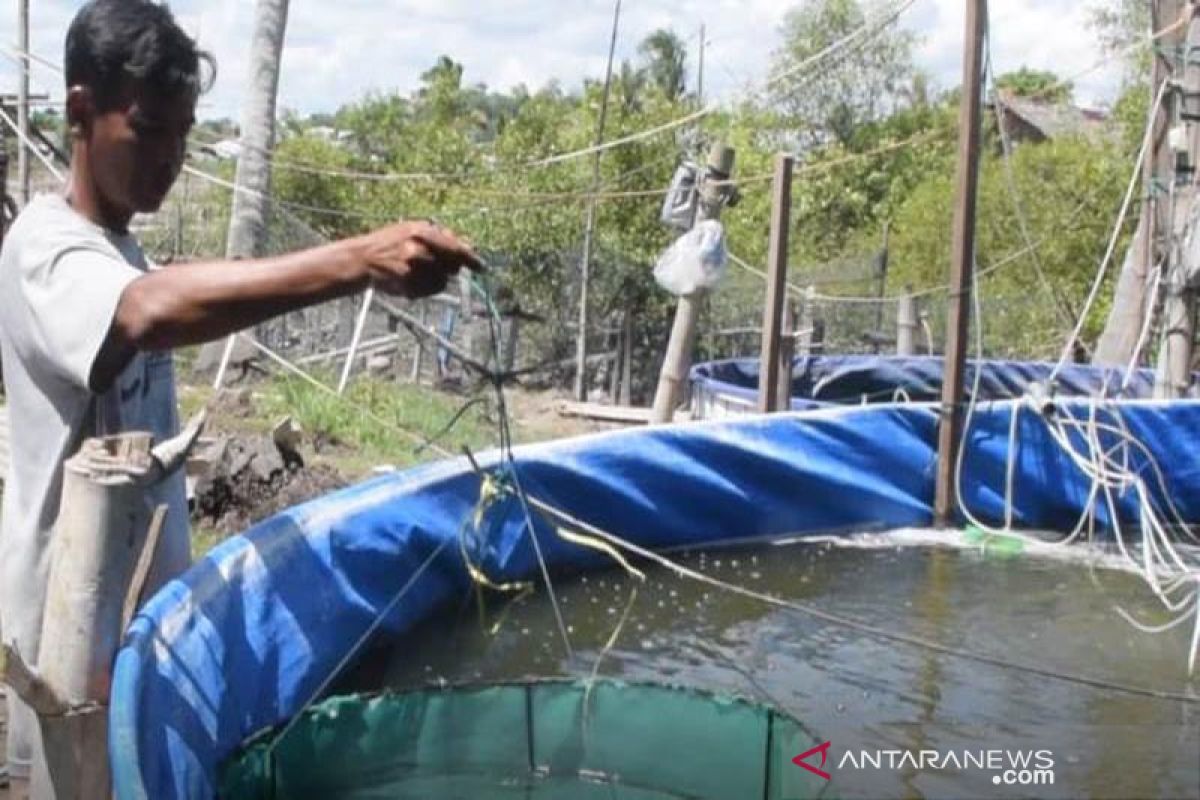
(199, 302)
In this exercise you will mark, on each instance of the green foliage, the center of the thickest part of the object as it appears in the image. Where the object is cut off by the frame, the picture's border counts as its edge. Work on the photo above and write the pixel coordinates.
(1069, 192)
(409, 408)
(1039, 84)
(1130, 113)
(665, 59)
(849, 91)
(875, 146)
(1120, 24)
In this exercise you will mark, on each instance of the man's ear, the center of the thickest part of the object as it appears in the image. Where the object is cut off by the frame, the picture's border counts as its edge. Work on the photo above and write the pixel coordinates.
(81, 109)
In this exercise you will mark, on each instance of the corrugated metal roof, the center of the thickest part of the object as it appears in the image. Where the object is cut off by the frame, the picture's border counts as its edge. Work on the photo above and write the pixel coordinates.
(1056, 120)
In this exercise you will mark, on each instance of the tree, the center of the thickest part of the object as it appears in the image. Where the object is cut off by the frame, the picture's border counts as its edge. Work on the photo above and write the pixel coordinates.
(1037, 84)
(664, 59)
(829, 101)
(250, 211)
(1121, 24)
(248, 220)
(1068, 189)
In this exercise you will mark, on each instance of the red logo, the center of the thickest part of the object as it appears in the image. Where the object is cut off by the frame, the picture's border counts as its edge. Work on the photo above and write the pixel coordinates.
(800, 760)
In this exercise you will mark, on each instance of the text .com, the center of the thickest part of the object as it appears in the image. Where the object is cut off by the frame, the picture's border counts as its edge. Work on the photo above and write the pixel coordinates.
(1024, 777)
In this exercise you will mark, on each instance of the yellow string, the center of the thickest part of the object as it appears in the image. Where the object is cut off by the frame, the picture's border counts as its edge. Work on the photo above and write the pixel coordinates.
(489, 491)
(603, 547)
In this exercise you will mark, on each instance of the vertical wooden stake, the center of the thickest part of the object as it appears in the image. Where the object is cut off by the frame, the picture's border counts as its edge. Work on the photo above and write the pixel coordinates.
(23, 153)
(625, 395)
(787, 355)
(906, 326)
(950, 430)
(1174, 379)
(589, 232)
(419, 354)
(768, 374)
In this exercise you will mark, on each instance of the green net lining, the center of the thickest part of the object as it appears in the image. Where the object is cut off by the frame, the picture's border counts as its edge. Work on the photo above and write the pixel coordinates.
(533, 741)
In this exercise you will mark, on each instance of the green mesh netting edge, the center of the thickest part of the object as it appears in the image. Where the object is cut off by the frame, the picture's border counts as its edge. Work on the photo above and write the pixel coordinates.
(532, 740)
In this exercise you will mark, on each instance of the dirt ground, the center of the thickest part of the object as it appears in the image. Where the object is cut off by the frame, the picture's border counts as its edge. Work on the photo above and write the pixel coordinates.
(232, 503)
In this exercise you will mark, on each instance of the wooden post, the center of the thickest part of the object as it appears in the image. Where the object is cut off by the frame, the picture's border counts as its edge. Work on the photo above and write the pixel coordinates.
(23, 153)
(625, 393)
(906, 326)
(881, 270)
(3, 188)
(677, 360)
(511, 343)
(467, 314)
(781, 213)
(806, 322)
(1174, 377)
(585, 265)
(950, 429)
(419, 354)
(787, 353)
(1127, 314)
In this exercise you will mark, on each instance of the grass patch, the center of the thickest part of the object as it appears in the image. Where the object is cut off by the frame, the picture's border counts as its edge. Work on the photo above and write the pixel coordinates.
(381, 421)
(204, 539)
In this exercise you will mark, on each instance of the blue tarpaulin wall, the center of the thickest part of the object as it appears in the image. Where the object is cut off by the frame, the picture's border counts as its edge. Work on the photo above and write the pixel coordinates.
(241, 641)
(853, 380)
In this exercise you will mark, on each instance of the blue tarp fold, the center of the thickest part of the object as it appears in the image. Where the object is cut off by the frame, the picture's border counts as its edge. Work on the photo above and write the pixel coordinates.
(855, 379)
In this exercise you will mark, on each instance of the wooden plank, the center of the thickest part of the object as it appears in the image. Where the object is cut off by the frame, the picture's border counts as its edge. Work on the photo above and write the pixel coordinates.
(630, 415)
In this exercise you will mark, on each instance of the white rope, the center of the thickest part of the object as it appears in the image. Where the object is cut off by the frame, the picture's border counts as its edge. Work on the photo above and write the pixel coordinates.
(1174, 581)
(1147, 324)
(1116, 235)
(475, 191)
(1014, 194)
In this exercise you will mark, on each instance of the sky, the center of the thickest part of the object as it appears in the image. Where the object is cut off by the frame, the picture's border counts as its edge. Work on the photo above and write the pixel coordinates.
(337, 51)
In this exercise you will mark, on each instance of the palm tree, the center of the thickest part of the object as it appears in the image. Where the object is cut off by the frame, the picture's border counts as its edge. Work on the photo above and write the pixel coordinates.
(248, 219)
(247, 236)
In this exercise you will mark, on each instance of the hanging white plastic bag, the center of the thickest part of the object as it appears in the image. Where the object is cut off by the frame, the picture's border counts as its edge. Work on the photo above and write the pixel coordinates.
(695, 261)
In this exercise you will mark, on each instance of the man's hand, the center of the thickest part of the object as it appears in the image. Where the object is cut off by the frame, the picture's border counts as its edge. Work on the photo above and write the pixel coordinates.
(414, 259)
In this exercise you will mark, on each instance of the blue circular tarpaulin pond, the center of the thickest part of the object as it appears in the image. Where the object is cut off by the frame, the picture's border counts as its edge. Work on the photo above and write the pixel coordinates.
(244, 640)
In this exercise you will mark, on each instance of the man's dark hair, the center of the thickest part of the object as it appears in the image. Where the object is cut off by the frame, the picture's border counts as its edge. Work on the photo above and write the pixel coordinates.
(112, 43)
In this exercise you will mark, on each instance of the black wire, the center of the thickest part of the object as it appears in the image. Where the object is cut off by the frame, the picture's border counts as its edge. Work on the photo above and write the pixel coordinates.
(433, 440)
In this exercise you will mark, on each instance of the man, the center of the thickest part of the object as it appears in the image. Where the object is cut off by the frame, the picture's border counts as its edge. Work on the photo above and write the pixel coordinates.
(86, 325)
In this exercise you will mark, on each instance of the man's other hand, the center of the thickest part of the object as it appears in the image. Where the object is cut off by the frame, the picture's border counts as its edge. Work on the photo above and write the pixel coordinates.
(415, 259)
